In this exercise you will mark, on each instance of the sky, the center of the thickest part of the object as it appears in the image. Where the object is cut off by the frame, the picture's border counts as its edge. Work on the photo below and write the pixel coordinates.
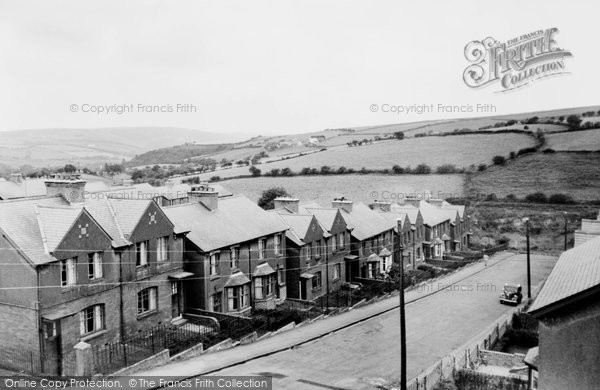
(272, 67)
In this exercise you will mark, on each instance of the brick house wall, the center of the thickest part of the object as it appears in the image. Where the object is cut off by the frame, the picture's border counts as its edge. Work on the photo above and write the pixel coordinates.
(18, 307)
(202, 287)
(570, 348)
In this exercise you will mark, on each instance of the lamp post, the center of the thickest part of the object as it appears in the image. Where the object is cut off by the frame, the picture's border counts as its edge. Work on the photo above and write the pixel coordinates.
(414, 256)
(566, 223)
(526, 221)
(402, 320)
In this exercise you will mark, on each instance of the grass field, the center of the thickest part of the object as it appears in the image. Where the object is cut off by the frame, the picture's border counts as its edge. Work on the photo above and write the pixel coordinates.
(576, 140)
(575, 174)
(461, 151)
(363, 188)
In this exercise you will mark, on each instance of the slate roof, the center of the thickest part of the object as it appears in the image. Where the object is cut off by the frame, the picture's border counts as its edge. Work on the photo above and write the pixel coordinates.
(393, 218)
(237, 219)
(37, 187)
(37, 225)
(365, 222)
(431, 214)
(325, 216)
(298, 226)
(576, 271)
(457, 207)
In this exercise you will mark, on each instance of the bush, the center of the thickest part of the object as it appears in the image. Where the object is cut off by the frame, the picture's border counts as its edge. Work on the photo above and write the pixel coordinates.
(560, 199)
(397, 169)
(549, 150)
(511, 197)
(215, 178)
(499, 160)
(254, 171)
(267, 197)
(537, 197)
(482, 167)
(447, 168)
(422, 169)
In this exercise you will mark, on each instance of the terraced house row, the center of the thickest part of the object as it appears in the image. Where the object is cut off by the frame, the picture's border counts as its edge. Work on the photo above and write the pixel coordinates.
(101, 267)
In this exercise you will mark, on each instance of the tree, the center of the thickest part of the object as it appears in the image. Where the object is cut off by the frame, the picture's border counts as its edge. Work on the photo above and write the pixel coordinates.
(399, 135)
(137, 175)
(537, 197)
(422, 169)
(254, 171)
(70, 168)
(397, 169)
(268, 196)
(574, 121)
(499, 160)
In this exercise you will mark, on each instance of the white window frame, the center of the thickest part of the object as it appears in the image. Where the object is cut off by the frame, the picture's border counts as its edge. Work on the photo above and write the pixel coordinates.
(337, 271)
(213, 263)
(234, 257)
(95, 263)
(162, 248)
(141, 254)
(152, 300)
(97, 317)
(278, 241)
(261, 248)
(342, 238)
(68, 274)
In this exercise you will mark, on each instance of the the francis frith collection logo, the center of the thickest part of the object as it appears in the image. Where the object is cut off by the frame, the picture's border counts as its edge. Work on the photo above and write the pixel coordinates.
(514, 63)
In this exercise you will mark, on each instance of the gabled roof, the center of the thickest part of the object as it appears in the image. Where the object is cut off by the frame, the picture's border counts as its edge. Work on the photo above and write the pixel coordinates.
(457, 207)
(365, 222)
(55, 222)
(431, 214)
(298, 226)
(394, 217)
(325, 216)
(236, 219)
(36, 226)
(576, 271)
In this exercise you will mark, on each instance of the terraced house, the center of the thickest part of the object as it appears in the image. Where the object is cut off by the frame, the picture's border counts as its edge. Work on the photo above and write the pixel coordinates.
(77, 269)
(404, 232)
(371, 239)
(235, 250)
(318, 248)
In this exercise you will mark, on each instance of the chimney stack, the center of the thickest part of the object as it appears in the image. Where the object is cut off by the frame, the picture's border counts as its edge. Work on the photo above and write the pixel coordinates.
(381, 205)
(413, 201)
(291, 204)
(170, 183)
(68, 185)
(127, 182)
(342, 203)
(204, 194)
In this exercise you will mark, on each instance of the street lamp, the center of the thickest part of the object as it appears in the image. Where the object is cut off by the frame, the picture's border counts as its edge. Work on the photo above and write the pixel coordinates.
(566, 222)
(413, 228)
(402, 319)
(526, 222)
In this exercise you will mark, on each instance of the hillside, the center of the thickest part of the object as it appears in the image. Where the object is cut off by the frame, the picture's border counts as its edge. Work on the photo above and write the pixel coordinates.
(89, 147)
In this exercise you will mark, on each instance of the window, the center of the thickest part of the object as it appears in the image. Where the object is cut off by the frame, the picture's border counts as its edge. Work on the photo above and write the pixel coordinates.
(263, 286)
(308, 254)
(67, 272)
(49, 329)
(342, 239)
(316, 248)
(261, 249)
(281, 276)
(214, 263)
(91, 319)
(215, 303)
(174, 288)
(372, 270)
(278, 244)
(94, 265)
(234, 257)
(238, 297)
(162, 252)
(316, 280)
(141, 254)
(147, 300)
(337, 270)
(334, 243)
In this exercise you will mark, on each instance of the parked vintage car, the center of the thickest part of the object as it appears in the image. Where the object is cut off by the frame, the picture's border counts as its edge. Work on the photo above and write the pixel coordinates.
(511, 294)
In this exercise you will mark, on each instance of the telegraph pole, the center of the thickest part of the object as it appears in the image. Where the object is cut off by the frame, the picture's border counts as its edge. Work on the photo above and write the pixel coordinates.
(402, 319)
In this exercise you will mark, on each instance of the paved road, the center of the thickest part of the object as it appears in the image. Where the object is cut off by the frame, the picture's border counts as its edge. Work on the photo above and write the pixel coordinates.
(360, 356)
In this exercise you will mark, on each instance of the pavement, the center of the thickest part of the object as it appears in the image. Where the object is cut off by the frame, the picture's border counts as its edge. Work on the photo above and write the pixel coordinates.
(360, 348)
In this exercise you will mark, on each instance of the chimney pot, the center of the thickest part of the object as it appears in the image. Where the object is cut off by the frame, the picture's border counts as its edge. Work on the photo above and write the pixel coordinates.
(68, 185)
(381, 205)
(204, 194)
(342, 203)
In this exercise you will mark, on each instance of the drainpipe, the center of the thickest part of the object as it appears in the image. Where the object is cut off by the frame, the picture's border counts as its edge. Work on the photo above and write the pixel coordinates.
(121, 307)
(326, 275)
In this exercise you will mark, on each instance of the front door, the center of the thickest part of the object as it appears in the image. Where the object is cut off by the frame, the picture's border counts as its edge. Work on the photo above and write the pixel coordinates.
(52, 352)
(175, 300)
(303, 283)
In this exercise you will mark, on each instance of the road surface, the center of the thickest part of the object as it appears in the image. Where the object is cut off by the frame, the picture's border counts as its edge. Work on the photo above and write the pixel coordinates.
(363, 355)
